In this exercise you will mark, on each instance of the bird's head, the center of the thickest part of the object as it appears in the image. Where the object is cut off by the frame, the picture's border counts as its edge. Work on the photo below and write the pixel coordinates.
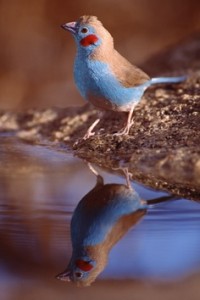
(79, 271)
(83, 270)
(89, 34)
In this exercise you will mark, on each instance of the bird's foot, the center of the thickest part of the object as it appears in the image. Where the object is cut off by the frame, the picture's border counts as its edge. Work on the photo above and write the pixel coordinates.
(121, 132)
(90, 131)
(88, 135)
(84, 138)
(125, 130)
(128, 175)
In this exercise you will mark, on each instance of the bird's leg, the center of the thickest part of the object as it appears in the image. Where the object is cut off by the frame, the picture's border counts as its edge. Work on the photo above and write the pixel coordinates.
(100, 180)
(89, 131)
(92, 169)
(129, 123)
(128, 175)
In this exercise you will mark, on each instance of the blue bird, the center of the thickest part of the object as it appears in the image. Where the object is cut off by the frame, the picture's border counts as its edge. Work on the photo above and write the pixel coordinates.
(100, 220)
(103, 76)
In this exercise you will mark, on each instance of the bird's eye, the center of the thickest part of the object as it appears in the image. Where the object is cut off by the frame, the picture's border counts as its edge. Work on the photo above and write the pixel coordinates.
(84, 30)
(78, 274)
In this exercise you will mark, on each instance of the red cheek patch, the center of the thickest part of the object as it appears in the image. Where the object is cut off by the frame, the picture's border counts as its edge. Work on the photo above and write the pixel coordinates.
(84, 265)
(89, 40)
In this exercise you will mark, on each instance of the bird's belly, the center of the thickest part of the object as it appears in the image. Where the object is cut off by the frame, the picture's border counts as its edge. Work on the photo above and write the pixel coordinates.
(105, 104)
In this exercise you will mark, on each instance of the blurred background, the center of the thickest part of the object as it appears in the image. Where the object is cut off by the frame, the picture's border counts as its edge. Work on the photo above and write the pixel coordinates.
(36, 55)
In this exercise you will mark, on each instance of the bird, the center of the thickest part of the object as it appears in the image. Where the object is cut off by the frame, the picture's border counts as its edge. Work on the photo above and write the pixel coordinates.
(102, 217)
(100, 220)
(103, 76)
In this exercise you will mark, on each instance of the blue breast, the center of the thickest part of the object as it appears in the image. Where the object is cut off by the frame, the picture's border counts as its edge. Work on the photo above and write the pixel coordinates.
(94, 216)
(94, 78)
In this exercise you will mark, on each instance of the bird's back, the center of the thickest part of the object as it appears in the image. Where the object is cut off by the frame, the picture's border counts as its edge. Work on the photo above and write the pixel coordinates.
(127, 74)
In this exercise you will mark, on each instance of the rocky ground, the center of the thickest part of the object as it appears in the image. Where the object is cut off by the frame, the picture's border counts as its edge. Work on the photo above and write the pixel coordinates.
(163, 148)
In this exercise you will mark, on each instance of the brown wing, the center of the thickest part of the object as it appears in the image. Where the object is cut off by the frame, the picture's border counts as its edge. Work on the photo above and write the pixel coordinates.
(128, 74)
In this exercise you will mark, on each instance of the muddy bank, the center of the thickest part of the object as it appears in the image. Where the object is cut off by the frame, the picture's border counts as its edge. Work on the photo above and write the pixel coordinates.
(163, 148)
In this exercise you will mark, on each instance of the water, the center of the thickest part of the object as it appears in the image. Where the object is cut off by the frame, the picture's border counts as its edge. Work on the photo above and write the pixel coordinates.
(41, 187)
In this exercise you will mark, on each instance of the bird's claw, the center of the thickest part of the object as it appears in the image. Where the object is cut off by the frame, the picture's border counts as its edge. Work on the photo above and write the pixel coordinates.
(128, 175)
(88, 135)
(84, 138)
(124, 131)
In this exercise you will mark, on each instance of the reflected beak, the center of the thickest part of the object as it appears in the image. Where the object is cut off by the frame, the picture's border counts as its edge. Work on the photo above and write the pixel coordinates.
(64, 276)
(70, 27)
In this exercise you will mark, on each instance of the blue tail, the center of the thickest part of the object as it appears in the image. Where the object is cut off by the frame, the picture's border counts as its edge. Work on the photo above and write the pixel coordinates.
(166, 80)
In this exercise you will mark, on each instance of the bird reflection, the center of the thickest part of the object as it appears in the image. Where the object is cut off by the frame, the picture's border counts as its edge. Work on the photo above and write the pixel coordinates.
(100, 220)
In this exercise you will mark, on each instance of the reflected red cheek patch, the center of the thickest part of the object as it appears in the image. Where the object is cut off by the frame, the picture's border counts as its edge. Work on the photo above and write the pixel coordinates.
(83, 265)
(89, 40)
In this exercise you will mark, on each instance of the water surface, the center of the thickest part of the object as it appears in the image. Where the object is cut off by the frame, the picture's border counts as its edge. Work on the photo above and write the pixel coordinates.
(41, 187)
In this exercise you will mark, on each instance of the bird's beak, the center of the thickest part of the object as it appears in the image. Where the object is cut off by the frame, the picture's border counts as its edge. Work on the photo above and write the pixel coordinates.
(64, 276)
(70, 27)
